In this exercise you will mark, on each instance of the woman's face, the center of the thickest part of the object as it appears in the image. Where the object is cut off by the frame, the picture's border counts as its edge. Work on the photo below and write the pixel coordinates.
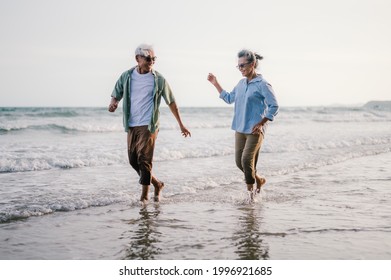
(245, 67)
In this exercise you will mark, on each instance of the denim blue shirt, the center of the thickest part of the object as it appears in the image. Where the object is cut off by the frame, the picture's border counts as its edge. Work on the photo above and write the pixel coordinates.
(253, 101)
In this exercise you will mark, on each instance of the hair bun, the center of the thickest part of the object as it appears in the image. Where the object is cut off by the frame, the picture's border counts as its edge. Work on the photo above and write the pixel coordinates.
(258, 57)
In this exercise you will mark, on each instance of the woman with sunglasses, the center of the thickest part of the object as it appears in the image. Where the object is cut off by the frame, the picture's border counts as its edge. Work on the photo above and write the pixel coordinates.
(255, 106)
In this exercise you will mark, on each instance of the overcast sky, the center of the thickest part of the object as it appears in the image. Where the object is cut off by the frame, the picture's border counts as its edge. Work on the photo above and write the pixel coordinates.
(71, 52)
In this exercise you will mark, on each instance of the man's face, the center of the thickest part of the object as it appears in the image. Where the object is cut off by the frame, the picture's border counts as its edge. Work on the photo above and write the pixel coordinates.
(145, 63)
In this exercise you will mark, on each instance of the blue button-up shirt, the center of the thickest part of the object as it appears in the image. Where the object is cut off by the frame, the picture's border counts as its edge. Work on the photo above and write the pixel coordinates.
(253, 101)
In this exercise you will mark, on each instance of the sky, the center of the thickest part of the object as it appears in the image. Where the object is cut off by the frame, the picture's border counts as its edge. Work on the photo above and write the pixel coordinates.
(316, 53)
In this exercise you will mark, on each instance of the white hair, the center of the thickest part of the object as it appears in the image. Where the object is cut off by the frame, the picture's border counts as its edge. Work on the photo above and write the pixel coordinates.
(143, 50)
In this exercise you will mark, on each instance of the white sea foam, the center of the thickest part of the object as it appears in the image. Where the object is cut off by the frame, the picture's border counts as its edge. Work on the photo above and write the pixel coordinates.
(26, 209)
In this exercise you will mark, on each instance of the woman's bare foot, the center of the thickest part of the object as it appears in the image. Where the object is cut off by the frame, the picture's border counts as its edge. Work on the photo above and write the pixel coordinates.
(250, 198)
(260, 182)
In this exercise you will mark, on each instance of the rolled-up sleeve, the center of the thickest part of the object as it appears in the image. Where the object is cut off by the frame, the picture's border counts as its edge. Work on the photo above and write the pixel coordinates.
(167, 93)
(270, 100)
(228, 97)
(118, 91)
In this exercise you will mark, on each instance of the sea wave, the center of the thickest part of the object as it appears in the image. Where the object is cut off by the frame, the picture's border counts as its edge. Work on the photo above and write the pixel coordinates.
(275, 145)
(38, 158)
(66, 120)
(41, 162)
(49, 112)
(26, 164)
(91, 127)
(66, 204)
(325, 161)
(53, 127)
(331, 114)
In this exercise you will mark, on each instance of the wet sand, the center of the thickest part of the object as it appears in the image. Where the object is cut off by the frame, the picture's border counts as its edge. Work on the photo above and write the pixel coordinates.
(339, 211)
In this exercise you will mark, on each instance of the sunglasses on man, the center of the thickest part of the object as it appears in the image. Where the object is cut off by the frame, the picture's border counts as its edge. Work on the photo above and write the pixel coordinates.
(149, 58)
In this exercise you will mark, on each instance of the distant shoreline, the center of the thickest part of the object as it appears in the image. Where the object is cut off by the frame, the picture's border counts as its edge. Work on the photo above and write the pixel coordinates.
(378, 105)
(373, 104)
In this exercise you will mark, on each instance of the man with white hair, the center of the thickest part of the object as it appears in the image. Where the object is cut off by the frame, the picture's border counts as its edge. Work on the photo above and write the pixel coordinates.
(141, 89)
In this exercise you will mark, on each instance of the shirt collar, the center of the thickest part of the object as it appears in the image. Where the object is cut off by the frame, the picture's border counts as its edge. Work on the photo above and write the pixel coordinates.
(134, 68)
(258, 78)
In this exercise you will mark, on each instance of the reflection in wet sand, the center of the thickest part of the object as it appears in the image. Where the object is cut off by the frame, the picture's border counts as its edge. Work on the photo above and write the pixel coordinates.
(247, 238)
(145, 237)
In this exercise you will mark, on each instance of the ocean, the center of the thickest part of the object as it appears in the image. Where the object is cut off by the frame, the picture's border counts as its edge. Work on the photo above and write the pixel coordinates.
(68, 192)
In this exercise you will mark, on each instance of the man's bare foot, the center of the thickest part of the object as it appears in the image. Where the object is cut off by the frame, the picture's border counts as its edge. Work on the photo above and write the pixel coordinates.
(260, 182)
(158, 190)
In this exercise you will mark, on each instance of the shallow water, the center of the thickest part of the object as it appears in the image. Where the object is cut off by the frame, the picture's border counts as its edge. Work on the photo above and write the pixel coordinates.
(69, 193)
(333, 212)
